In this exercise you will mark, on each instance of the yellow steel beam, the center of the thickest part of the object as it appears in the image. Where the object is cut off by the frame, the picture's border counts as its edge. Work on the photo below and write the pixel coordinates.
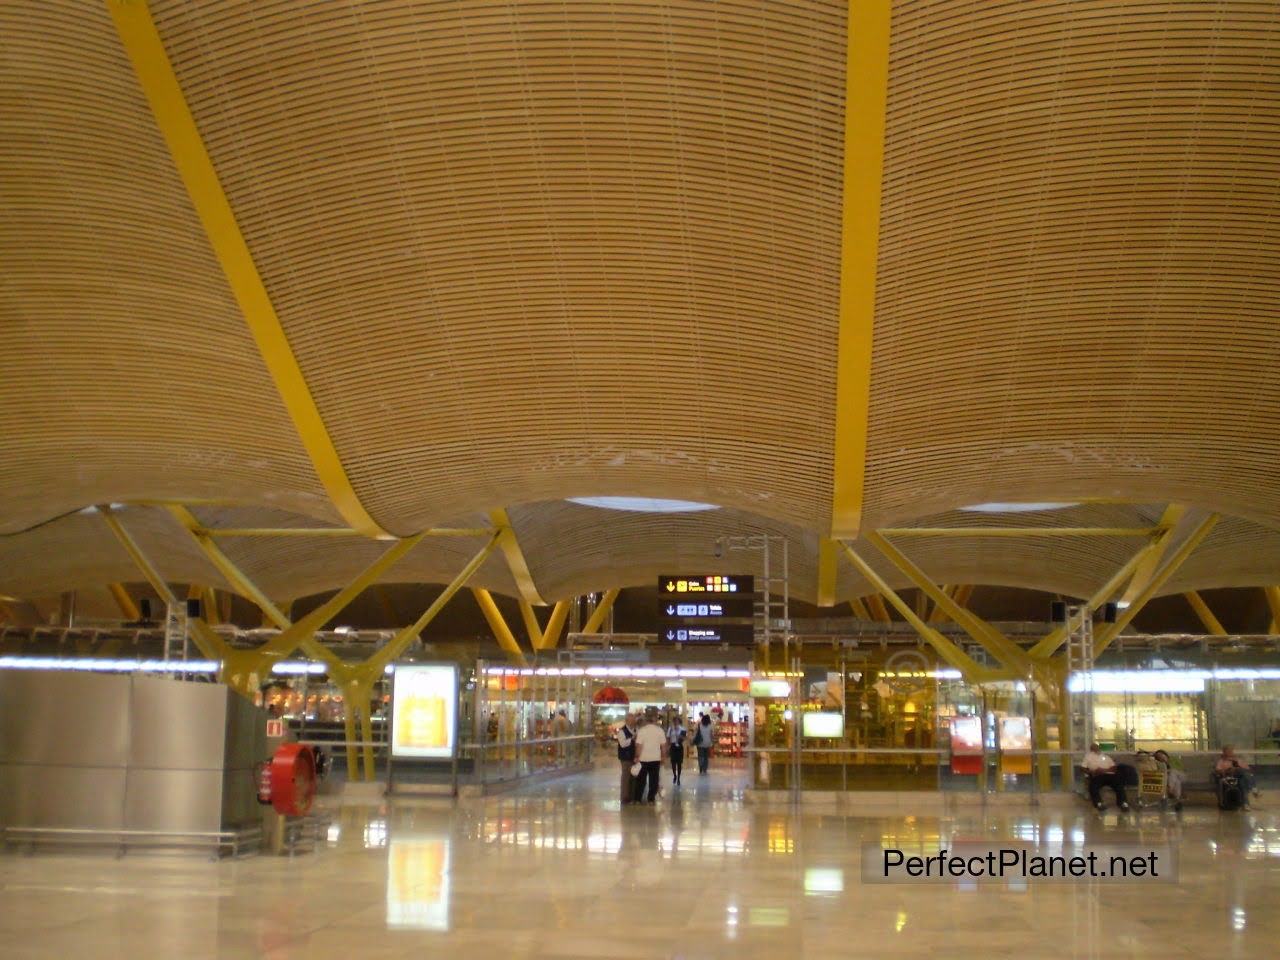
(865, 99)
(333, 531)
(139, 558)
(860, 609)
(877, 608)
(531, 625)
(212, 610)
(596, 620)
(828, 557)
(1172, 515)
(555, 626)
(1103, 638)
(936, 615)
(303, 630)
(972, 671)
(963, 593)
(1058, 636)
(991, 639)
(128, 609)
(1020, 531)
(515, 558)
(407, 635)
(155, 74)
(1211, 623)
(498, 624)
(230, 572)
(1273, 601)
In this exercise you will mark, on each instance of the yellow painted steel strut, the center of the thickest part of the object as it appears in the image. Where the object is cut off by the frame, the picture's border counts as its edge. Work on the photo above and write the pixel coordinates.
(828, 560)
(515, 558)
(142, 42)
(865, 102)
(596, 620)
(970, 669)
(987, 636)
(1211, 623)
(1108, 634)
(498, 624)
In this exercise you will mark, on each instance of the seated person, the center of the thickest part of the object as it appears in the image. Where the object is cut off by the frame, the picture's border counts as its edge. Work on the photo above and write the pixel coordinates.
(1102, 771)
(1230, 765)
(1174, 777)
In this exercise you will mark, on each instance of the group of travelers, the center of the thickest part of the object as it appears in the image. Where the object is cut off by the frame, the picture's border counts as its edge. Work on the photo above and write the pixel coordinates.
(1102, 771)
(643, 744)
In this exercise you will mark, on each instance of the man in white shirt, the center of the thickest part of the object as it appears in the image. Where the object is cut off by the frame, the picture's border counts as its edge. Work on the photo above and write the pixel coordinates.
(1102, 772)
(651, 750)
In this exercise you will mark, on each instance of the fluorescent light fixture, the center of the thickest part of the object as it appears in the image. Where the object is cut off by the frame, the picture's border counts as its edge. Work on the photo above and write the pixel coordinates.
(1015, 507)
(819, 880)
(108, 666)
(295, 667)
(1122, 604)
(643, 504)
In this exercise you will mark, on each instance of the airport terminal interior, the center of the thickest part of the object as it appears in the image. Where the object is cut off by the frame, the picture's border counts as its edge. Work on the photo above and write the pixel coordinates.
(639, 478)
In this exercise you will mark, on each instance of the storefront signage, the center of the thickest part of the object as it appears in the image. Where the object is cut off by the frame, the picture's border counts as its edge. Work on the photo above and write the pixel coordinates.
(424, 710)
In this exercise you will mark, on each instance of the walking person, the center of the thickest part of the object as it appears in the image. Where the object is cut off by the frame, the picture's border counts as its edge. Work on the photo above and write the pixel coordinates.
(676, 734)
(702, 740)
(651, 750)
(626, 737)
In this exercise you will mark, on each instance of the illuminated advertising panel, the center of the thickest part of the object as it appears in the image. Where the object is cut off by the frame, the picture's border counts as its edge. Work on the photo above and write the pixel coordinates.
(775, 689)
(823, 725)
(1015, 733)
(424, 710)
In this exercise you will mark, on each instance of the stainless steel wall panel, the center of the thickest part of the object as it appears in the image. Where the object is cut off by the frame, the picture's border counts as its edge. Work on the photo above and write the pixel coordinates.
(82, 798)
(177, 724)
(174, 800)
(246, 733)
(61, 717)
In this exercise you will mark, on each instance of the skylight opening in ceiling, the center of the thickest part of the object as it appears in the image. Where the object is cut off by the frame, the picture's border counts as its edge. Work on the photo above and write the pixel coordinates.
(643, 504)
(1015, 507)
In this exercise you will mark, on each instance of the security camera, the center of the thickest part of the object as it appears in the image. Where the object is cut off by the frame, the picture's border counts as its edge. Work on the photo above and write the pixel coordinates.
(719, 551)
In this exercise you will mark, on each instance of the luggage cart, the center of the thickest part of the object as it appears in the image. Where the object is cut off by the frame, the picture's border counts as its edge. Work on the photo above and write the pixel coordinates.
(1153, 788)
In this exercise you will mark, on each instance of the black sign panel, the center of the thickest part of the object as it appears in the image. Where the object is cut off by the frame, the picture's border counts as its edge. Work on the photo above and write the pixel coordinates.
(710, 584)
(736, 633)
(680, 608)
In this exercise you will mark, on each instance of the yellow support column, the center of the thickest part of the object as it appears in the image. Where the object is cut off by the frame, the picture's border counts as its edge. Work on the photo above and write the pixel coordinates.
(506, 639)
(1211, 623)
(555, 626)
(865, 105)
(878, 612)
(828, 559)
(142, 43)
(128, 609)
(859, 609)
(972, 671)
(1273, 601)
(596, 620)
(1107, 635)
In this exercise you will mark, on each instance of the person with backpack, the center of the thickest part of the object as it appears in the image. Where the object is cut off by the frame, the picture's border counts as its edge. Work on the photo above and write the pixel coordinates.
(702, 740)
(626, 737)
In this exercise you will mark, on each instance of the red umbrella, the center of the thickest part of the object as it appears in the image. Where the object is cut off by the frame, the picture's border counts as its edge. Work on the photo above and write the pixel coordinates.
(611, 695)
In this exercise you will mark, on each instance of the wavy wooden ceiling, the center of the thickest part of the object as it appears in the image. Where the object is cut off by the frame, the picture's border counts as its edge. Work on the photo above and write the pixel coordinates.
(528, 251)
(1079, 275)
(129, 372)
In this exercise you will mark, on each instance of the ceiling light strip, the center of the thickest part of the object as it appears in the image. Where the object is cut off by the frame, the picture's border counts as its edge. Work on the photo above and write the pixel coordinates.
(142, 41)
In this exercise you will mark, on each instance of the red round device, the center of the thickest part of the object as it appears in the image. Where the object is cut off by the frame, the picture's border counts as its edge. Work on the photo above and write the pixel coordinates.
(293, 779)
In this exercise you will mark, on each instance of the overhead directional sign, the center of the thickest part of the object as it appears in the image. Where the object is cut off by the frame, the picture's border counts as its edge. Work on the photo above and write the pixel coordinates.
(711, 583)
(680, 608)
(736, 633)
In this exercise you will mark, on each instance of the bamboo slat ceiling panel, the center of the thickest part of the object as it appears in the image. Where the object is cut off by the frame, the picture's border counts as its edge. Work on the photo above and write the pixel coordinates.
(129, 371)
(529, 250)
(80, 551)
(1079, 278)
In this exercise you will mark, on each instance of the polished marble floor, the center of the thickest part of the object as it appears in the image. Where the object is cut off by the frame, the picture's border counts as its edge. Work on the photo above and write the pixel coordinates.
(561, 870)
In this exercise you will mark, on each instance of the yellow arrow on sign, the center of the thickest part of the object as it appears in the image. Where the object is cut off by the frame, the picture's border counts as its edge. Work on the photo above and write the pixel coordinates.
(670, 587)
